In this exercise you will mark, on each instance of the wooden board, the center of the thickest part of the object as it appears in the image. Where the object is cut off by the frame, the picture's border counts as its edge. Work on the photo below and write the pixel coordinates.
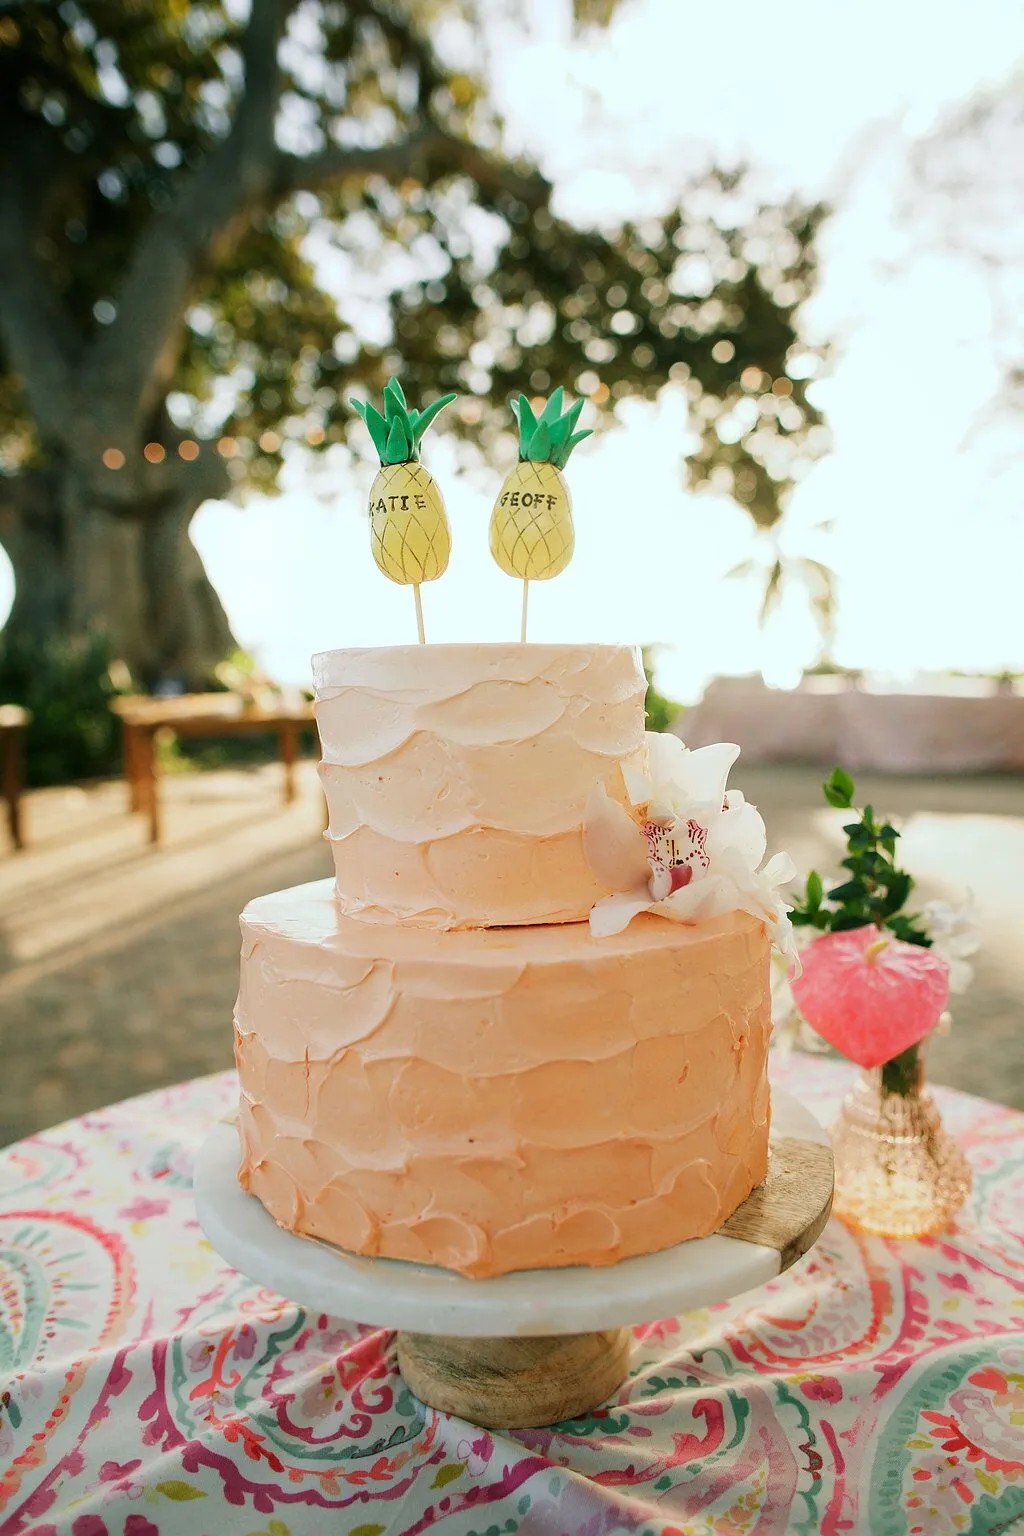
(789, 1210)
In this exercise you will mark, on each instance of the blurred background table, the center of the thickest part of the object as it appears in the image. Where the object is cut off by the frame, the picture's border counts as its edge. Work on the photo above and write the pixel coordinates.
(200, 714)
(153, 1391)
(976, 729)
(13, 723)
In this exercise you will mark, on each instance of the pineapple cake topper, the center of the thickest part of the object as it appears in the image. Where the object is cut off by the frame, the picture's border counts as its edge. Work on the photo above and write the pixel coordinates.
(531, 526)
(409, 532)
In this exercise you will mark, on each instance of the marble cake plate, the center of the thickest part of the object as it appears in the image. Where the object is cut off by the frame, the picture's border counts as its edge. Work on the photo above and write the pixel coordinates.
(538, 1346)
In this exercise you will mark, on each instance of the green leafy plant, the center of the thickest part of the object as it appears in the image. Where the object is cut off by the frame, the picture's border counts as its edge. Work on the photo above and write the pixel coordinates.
(67, 686)
(875, 890)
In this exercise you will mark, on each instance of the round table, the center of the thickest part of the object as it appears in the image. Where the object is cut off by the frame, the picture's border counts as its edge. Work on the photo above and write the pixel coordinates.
(148, 1390)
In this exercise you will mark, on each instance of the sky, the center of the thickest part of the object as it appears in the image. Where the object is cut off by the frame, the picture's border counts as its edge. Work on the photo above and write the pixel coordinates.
(917, 508)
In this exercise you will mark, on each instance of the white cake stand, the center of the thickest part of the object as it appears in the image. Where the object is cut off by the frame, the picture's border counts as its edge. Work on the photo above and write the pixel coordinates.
(538, 1346)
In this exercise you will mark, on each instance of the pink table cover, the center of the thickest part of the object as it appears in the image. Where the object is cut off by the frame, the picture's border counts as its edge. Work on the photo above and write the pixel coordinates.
(149, 1390)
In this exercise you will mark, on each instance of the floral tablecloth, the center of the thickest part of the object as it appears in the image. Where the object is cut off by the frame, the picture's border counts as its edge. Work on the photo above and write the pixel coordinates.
(148, 1390)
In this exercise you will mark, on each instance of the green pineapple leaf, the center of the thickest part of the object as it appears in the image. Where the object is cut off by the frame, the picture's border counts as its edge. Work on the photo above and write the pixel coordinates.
(540, 444)
(564, 452)
(549, 438)
(522, 410)
(397, 433)
(553, 409)
(375, 423)
(399, 449)
(527, 423)
(559, 431)
(572, 416)
(424, 418)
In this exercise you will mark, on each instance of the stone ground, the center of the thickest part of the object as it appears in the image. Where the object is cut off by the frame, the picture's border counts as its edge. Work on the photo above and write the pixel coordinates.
(118, 963)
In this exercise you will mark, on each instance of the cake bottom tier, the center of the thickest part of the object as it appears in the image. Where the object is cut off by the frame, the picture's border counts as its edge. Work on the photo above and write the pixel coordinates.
(500, 1099)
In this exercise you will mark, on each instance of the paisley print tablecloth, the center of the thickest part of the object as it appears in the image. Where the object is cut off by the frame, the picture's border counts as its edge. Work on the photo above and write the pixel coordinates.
(148, 1390)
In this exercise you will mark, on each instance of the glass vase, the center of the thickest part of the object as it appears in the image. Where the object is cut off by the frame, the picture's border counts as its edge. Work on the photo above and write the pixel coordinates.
(898, 1171)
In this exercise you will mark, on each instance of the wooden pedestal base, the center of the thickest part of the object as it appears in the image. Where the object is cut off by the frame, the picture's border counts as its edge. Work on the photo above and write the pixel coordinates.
(517, 1383)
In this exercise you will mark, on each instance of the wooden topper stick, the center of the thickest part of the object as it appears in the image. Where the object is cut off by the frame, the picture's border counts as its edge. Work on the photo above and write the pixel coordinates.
(419, 613)
(526, 593)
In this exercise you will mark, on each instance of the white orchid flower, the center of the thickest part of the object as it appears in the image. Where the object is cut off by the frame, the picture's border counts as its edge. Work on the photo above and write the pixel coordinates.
(692, 850)
(954, 934)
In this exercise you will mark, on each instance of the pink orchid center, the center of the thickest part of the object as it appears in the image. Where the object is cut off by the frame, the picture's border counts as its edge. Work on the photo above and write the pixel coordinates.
(678, 876)
(674, 853)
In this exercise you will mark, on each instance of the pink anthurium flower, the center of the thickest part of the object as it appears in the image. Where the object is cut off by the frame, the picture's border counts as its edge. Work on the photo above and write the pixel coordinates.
(870, 995)
(692, 849)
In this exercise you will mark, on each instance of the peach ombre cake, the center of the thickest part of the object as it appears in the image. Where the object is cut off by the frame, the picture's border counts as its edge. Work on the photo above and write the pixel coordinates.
(526, 1024)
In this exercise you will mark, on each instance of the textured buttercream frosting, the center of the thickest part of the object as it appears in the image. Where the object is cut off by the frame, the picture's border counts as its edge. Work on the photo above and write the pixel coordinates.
(457, 776)
(492, 1100)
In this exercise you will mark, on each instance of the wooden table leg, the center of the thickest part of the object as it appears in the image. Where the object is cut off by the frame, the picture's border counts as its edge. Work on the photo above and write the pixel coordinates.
(149, 781)
(288, 744)
(130, 755)
(13, 741)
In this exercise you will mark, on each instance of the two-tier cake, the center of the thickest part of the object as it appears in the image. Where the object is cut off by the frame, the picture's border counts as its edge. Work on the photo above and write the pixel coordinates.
(440, 1061)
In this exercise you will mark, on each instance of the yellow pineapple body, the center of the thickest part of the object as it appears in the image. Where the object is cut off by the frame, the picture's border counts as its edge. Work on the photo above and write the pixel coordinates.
(531, 526)
(409, 532)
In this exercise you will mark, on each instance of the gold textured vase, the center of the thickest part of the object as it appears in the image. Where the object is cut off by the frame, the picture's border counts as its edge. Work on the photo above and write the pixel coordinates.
(898, 1171)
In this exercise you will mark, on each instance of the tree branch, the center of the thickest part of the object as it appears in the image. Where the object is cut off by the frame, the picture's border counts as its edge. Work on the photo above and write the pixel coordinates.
(428, 152)
(36, 333)
(175, 485)
(139, 351)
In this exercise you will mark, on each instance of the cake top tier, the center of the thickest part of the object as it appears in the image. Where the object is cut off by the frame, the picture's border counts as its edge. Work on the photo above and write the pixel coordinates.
(613, 669)
(457, 776)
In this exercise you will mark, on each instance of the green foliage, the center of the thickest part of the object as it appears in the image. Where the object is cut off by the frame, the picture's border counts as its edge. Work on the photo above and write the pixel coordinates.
(67, 686)
(660, 711)
(621, 322)
(875, 890)
(115, 108)
(838, 789)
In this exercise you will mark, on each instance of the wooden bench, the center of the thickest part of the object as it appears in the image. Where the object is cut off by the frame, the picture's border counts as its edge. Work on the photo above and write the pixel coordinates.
(13, 723)
(199, 715)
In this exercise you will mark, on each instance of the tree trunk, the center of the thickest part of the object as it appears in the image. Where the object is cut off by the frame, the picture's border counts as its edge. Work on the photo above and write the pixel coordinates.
(87, 564)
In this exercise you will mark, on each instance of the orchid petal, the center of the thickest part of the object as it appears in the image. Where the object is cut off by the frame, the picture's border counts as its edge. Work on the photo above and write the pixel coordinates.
(779, 870)
(707, 770)
(615, 847)
(740, 829)
(666, 756)
(711, 896)
(638, 784)
(614, 913)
